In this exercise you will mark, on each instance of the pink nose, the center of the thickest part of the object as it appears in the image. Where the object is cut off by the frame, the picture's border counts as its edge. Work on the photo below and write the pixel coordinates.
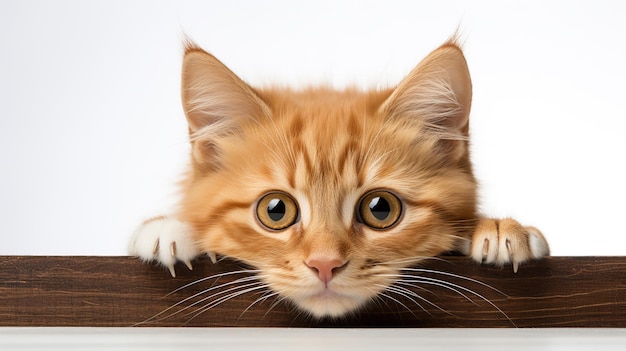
(325, 269)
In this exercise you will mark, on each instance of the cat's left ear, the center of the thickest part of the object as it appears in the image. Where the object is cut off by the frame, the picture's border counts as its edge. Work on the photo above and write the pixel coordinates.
(437, 94)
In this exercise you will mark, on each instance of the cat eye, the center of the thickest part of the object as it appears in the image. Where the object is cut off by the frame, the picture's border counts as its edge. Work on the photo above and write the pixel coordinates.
(379, 209)
(277, 211)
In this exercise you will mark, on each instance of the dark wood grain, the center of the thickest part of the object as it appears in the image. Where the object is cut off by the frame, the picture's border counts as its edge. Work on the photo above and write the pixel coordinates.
(121, 291)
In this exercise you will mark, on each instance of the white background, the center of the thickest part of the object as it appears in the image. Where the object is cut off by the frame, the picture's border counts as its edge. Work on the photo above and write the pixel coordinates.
(93, 137)
(311, 339)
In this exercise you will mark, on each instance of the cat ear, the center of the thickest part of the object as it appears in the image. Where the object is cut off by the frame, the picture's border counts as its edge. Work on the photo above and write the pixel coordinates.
(215, 101)
(212, 93)
(437, 94)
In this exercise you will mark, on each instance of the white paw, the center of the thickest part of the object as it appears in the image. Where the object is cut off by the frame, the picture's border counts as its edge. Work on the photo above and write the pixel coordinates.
(165, 240)
(506, 241)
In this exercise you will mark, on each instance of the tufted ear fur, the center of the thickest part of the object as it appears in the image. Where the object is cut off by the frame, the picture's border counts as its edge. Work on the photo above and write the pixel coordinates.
(216, 102)
(436, 96)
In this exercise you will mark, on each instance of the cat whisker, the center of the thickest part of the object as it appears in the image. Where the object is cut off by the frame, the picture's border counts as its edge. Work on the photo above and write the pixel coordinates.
(377, 299)
(398, 302)
(405, 293)
(452, 287)
(409, 280)
(157, 318)
(424, 270)
(413, 293)
(264, 129)
(412, 259)
(363, 134)
(380, 158)
(215, 276)
(223, 299)
(215, 301)
(279, 298)
(214, 296)
(436, 282)
(266, 295)
(373, 141)
(285, 144)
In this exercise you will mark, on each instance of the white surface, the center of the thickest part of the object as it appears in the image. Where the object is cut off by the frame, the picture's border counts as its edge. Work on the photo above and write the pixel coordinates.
(276, 339)
(93, 138)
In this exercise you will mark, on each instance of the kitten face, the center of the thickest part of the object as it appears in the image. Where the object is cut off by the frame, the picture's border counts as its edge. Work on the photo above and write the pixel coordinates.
(329, 193)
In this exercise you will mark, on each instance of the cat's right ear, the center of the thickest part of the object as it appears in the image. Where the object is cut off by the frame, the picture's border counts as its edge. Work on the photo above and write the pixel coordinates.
(436, 97)
(216, 102)
(438, 91)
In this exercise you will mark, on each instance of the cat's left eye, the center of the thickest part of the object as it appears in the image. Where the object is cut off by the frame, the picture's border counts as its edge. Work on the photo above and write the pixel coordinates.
(379, 209)
(277, 211)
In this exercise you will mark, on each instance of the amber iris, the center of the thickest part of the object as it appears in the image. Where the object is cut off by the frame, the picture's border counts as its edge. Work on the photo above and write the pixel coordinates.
(379, 209)
(277, 211)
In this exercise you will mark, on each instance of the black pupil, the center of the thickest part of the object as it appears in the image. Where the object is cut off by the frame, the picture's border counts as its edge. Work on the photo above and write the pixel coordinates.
(380, 208)
(276, 209)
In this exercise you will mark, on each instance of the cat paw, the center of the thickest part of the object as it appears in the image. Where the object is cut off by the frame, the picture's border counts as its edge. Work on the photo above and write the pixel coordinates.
(165, 240)
(506, 241)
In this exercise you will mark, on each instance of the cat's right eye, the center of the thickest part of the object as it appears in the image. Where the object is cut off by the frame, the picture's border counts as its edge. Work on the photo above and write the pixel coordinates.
(277, 211)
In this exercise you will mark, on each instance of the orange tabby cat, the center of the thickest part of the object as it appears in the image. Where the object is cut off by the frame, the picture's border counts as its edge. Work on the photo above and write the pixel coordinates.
(331, 194)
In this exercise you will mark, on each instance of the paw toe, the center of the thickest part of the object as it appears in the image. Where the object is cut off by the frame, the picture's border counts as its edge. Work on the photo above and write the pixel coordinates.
(506, 241)
(165, 240)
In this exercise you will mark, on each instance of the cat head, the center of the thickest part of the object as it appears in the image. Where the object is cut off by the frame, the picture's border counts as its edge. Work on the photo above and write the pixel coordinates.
(329, 193)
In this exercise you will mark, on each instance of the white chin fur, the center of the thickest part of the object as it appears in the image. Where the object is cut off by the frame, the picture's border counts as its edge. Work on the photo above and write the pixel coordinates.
(330, 305)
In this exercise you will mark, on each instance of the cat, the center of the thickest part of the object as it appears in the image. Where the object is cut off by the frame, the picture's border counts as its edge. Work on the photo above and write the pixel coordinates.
(331, 194)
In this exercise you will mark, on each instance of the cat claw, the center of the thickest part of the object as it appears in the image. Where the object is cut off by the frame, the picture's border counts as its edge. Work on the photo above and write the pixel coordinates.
(172, 271)
(506, 241)
(485, 249)
(186, 261)
(188, 264)
(155, 249)
(173, 249)
(165, 240)
(212, 256)
(509, 249)
(515, 266)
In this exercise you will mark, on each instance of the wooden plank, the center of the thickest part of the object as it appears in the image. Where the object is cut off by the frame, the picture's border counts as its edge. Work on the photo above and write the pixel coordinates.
(121, 291)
